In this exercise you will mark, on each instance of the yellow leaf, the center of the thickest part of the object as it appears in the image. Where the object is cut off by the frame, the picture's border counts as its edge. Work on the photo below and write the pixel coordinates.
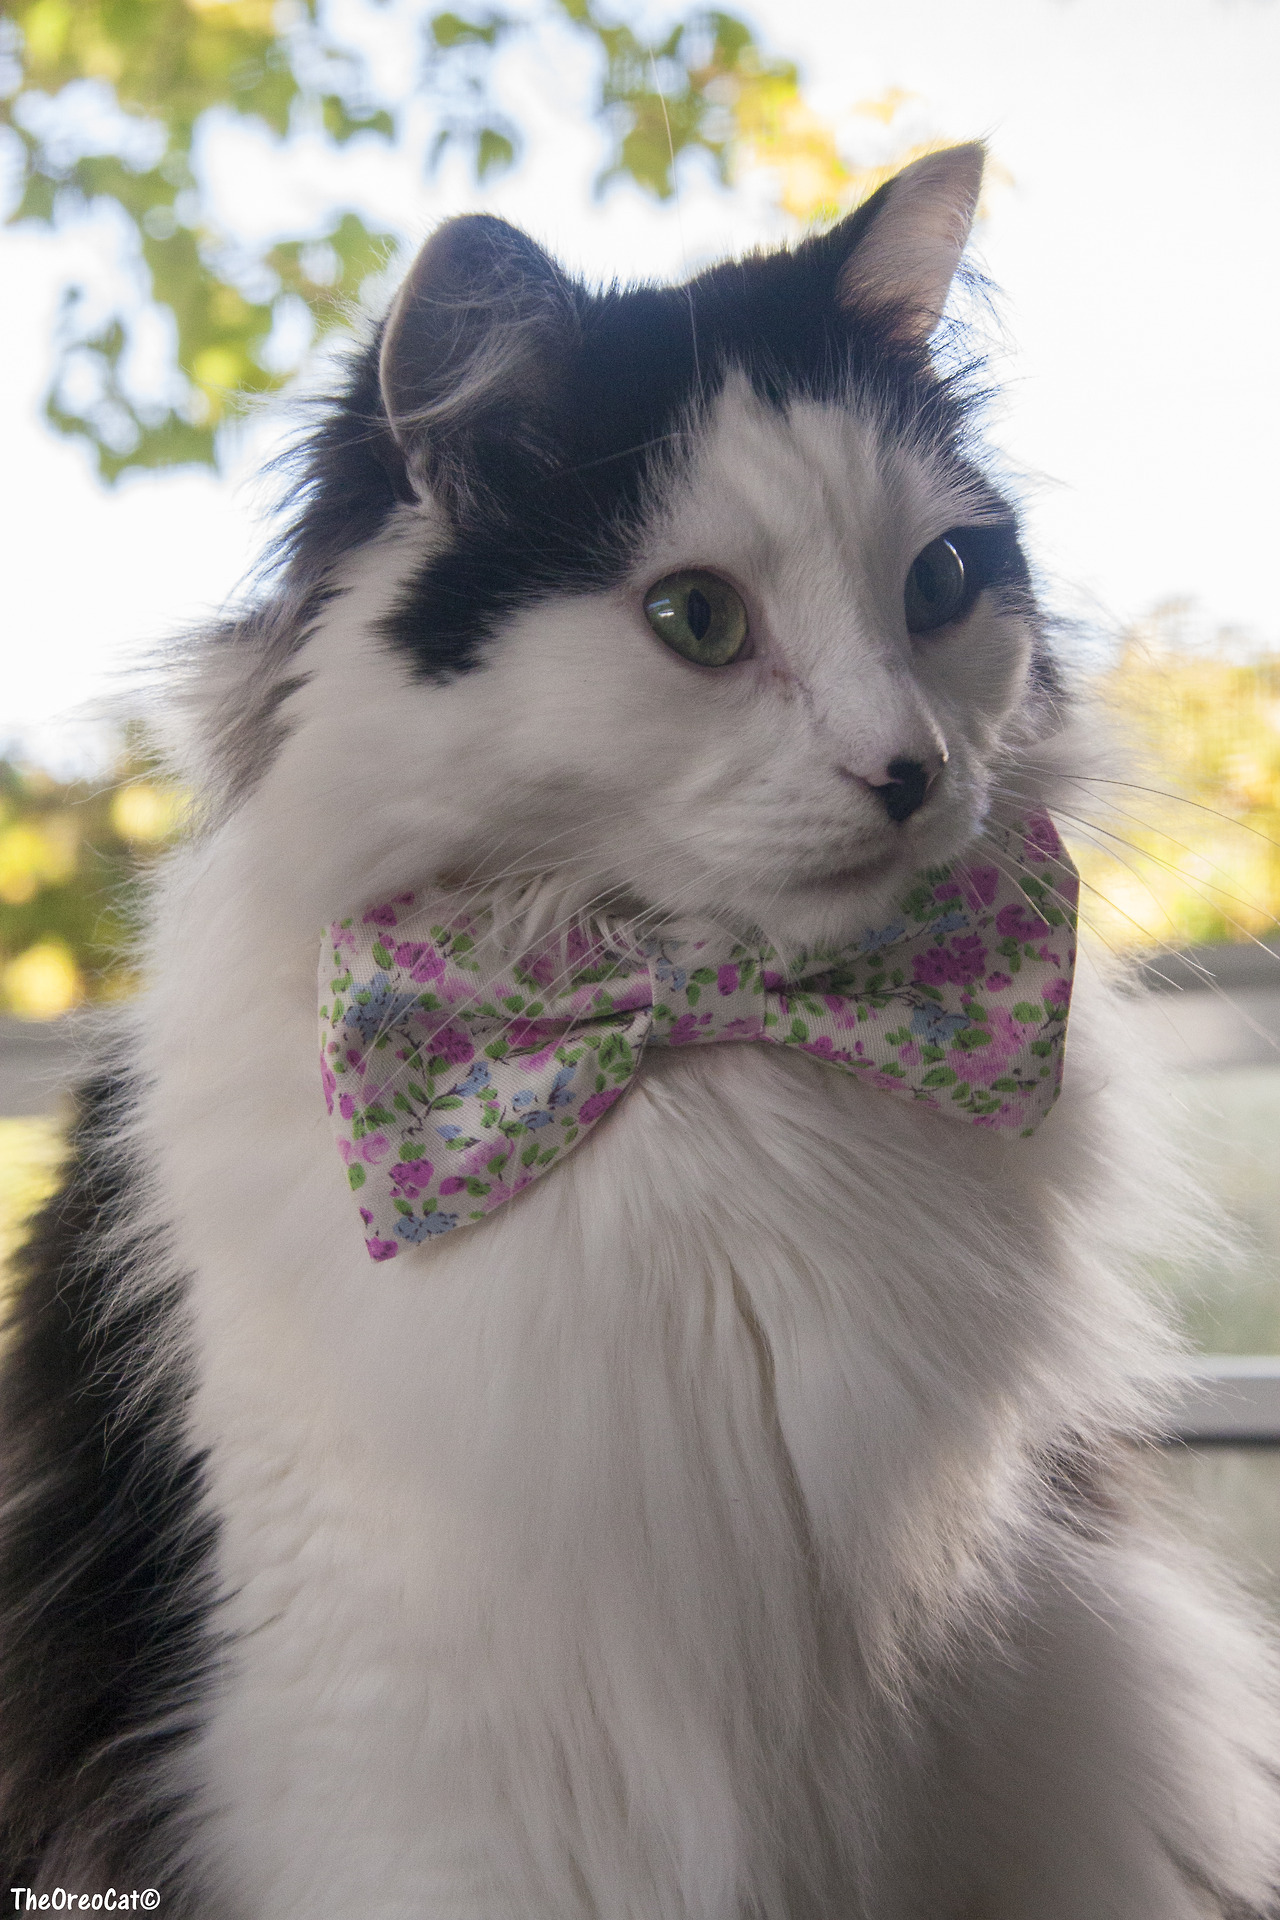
(42, 982)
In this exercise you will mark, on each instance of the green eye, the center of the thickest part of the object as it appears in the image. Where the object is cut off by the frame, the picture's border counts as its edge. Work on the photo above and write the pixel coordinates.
(698, 615)
(935, 589)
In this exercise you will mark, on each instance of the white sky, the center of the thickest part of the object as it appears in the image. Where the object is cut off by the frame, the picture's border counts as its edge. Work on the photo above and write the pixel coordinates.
(1135, 244)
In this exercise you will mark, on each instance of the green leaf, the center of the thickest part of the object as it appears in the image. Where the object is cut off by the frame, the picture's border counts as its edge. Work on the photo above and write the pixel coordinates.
(939, 1077)
(1029, 1012)
(495, 152)
(355, 1175)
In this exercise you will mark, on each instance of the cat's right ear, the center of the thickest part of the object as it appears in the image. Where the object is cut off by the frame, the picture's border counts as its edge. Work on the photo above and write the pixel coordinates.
(474, 359)
(906, 241)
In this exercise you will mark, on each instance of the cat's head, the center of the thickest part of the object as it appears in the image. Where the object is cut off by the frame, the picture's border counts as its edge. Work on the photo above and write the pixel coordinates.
(694, 594)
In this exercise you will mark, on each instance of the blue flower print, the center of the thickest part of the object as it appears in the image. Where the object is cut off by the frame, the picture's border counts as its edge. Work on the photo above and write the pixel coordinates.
(880, 937)
(936, 1028)
(449, 1133)
(560, 1095)
(949, 921)
(379, 1012)
(676, 978)
(478, 1077)
(423, 1228)
(540, 1119)
(525, 1098)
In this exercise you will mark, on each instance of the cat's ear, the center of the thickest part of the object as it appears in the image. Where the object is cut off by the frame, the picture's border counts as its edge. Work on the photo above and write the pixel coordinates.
(474, 356)
(907, 242)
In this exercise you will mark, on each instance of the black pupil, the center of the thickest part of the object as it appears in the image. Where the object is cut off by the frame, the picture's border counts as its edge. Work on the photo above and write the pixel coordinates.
(929, 582)
(697, 611)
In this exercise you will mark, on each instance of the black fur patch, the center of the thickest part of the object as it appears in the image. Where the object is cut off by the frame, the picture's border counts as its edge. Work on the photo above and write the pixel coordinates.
(643, 365)
(104, 1553)
(556, 501)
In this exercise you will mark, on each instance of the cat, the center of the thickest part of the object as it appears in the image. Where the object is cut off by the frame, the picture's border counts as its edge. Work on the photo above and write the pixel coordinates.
(749, 1519)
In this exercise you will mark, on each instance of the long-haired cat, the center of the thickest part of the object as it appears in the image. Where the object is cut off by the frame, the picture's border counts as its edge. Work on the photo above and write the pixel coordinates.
(743, 1520)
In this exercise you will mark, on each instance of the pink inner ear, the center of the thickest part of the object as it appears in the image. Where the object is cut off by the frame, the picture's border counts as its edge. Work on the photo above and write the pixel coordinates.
(903, 264)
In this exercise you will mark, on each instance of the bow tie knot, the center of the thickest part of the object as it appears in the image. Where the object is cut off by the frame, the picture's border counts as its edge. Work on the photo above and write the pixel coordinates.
(455, 1075)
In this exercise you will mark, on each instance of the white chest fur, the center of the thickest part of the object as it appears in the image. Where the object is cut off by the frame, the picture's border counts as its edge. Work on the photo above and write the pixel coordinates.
(553, 1553)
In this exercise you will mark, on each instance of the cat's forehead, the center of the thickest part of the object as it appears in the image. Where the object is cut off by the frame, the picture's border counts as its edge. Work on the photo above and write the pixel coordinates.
(775, 484)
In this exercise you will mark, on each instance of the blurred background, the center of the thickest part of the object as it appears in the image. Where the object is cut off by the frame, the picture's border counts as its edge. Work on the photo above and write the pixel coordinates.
(199, 196)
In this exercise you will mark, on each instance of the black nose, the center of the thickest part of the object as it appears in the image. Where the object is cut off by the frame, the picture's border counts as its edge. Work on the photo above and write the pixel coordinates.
(904, 790)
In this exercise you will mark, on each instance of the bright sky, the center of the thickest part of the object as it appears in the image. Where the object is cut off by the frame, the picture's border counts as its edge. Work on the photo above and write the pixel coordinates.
(1131, 230)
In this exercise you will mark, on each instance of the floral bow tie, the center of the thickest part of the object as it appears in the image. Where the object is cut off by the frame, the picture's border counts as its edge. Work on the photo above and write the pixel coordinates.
(455, 1075)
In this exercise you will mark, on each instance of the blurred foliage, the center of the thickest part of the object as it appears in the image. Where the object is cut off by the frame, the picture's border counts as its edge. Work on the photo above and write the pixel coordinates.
(107, 100)
(1186, 849)
(71, 856)
(31, 1150)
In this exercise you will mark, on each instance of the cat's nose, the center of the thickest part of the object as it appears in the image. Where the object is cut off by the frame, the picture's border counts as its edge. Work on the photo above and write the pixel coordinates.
(906, 785)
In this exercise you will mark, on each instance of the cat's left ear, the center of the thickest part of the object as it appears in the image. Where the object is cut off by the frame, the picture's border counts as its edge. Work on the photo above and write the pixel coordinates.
(474, 358)
(907, 241)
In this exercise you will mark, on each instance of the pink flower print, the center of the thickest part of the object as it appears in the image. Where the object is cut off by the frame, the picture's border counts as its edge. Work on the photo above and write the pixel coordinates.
(328, 1079)
(412, 1176)
(969, 954)
(541, 967)
(474, 1165)
(727, 979)
(346, 1105)
(1042, 836)
(1058, 993)
(961, 961)
(746, 1027)
(774, 982)
(997, 982)
(684, 1031)
(932, 968)
(949, 890)
(825, 1048)
(909, 1055)
(422, 960)
(374, 1147)
(452, 1183)
(596, 1104)
(382, 1249)
(630, 998)
(980, 886)
(987, 1063)
(383, 916)
(366, 1216)
(453, 1045)
(579, 947)
(344, 939)
(1018, 922)
(523, 1034)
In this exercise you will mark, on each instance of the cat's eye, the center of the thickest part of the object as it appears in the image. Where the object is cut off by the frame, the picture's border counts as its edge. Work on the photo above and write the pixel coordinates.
(936, 589)
(698, 615)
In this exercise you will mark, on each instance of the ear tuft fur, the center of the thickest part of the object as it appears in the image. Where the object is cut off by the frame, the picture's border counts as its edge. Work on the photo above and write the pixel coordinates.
(909, 240)
(474, 355)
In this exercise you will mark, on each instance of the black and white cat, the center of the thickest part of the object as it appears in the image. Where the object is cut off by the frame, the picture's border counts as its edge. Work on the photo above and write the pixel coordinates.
(746, 1521)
